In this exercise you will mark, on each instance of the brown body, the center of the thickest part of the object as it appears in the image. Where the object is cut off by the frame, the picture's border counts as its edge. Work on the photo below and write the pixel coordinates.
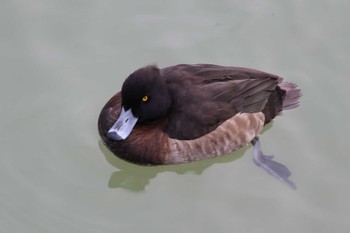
(214, 111)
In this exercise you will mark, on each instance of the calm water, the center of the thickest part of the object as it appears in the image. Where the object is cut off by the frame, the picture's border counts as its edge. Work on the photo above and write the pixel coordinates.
(60, 61)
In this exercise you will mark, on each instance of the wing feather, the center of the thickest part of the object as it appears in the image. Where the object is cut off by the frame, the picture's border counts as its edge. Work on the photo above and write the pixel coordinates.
(204, 96)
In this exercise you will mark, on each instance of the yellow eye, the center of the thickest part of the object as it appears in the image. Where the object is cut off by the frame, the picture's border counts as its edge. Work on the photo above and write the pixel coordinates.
(145, 98)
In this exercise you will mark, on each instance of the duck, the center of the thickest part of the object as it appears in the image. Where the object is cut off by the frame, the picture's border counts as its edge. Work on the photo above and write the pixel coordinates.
(190, 112)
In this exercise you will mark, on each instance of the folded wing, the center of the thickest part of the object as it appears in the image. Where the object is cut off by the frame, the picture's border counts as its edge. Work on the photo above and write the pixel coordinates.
(207, 95)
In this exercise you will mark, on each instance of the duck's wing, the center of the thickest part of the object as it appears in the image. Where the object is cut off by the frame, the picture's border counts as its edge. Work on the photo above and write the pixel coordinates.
(204, 96)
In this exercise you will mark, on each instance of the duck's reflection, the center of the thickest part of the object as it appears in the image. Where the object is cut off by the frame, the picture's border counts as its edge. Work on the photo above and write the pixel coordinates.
(136, 177)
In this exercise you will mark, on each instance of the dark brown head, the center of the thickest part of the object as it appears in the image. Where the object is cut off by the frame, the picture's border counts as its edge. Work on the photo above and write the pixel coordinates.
(145, 98)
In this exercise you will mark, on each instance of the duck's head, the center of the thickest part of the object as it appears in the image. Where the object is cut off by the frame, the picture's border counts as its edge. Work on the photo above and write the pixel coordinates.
(145, 98)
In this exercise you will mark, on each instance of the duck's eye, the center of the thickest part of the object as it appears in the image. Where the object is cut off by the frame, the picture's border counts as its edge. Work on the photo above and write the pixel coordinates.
(145, 98)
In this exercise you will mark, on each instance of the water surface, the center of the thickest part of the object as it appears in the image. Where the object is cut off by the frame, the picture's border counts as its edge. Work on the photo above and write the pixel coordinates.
(60, 61)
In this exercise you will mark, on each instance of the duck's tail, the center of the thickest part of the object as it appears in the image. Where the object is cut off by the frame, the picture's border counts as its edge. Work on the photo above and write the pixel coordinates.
(285, 97)
(293, 94)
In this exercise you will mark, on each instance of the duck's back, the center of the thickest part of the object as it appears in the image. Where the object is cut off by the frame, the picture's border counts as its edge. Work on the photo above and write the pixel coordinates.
(204, 96)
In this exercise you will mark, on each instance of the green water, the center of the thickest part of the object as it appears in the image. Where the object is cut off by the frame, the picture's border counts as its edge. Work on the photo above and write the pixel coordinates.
(60, 61)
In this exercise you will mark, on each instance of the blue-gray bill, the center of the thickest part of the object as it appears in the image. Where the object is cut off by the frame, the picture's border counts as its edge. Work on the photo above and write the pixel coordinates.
(123, 126)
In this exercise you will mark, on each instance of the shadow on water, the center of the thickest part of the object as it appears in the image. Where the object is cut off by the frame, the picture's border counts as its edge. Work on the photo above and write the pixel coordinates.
(135, 177)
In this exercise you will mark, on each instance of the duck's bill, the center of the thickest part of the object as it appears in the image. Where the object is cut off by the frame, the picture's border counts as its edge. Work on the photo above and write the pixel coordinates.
(123, 126)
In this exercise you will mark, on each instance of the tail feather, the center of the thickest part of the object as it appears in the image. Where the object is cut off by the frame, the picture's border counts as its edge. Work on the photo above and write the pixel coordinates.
(293, 94)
